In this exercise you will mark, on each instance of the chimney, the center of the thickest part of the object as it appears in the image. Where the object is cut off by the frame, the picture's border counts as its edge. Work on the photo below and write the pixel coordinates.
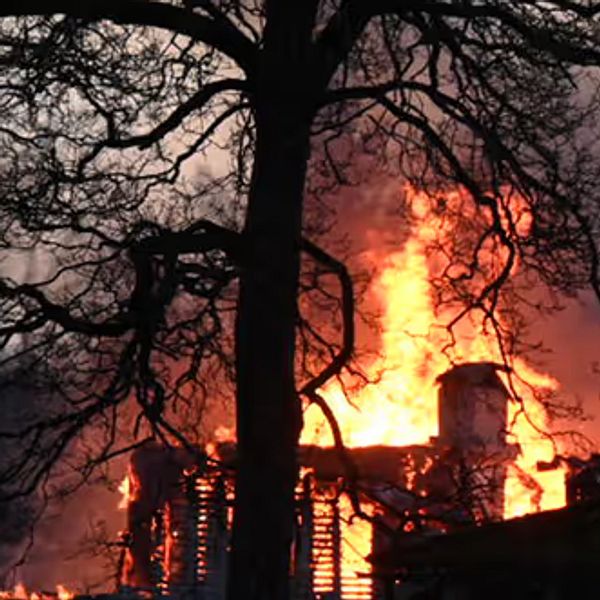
(473, 408)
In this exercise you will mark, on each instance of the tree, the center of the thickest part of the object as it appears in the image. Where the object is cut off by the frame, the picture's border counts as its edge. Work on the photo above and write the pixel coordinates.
(105, 103)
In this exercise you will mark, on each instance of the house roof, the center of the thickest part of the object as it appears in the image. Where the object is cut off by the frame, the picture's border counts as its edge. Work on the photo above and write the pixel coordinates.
(562, 540)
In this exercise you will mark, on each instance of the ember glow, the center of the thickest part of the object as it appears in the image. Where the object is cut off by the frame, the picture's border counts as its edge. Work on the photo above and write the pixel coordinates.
(400, 408)
(20, 592)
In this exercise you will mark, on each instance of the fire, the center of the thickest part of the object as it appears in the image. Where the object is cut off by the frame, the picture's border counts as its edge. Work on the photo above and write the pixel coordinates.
(125, 488)
(129, 489)
(63, 593)
(20, 593)
(400, 407)
(356, 535)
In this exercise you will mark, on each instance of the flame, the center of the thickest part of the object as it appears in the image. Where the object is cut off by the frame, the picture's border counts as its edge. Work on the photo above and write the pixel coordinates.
(63, 593)
(400, 407)
(20, 593)
(126, 490)
(357, 537)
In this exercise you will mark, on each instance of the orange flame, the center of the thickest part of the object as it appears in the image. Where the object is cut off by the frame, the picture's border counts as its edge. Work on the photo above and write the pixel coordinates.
(20, 593)
(125, 488)
(63, 593)
(400, 407)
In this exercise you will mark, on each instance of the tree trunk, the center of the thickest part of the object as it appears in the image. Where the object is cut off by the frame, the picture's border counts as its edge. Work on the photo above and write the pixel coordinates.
(268, 411)
(269, 417)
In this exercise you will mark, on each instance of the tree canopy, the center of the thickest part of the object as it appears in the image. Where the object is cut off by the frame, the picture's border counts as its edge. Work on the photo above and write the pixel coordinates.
(155, 161)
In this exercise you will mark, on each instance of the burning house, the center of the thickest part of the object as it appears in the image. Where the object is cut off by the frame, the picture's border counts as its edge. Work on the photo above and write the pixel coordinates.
(180, 503)
(420, 470)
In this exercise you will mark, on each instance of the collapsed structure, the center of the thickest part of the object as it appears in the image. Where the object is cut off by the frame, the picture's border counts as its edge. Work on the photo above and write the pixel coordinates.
(180, 508)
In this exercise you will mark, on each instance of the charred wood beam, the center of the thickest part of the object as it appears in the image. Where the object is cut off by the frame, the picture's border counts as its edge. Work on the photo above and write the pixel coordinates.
(381, 464)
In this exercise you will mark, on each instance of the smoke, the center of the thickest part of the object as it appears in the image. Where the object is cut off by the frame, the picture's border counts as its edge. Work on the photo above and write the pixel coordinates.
(73, 544)
(18, 515)
(46, 536)
(570, 338)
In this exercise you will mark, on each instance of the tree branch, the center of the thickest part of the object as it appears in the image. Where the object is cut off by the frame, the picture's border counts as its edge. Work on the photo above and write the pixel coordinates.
(220, 34)
(200, 237)
(539, 37)
(338, 37)
(345, 352)
(51, 311)
(175, 119)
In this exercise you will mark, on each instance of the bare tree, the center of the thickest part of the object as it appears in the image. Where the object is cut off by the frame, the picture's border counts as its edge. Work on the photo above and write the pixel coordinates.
(105, 106)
